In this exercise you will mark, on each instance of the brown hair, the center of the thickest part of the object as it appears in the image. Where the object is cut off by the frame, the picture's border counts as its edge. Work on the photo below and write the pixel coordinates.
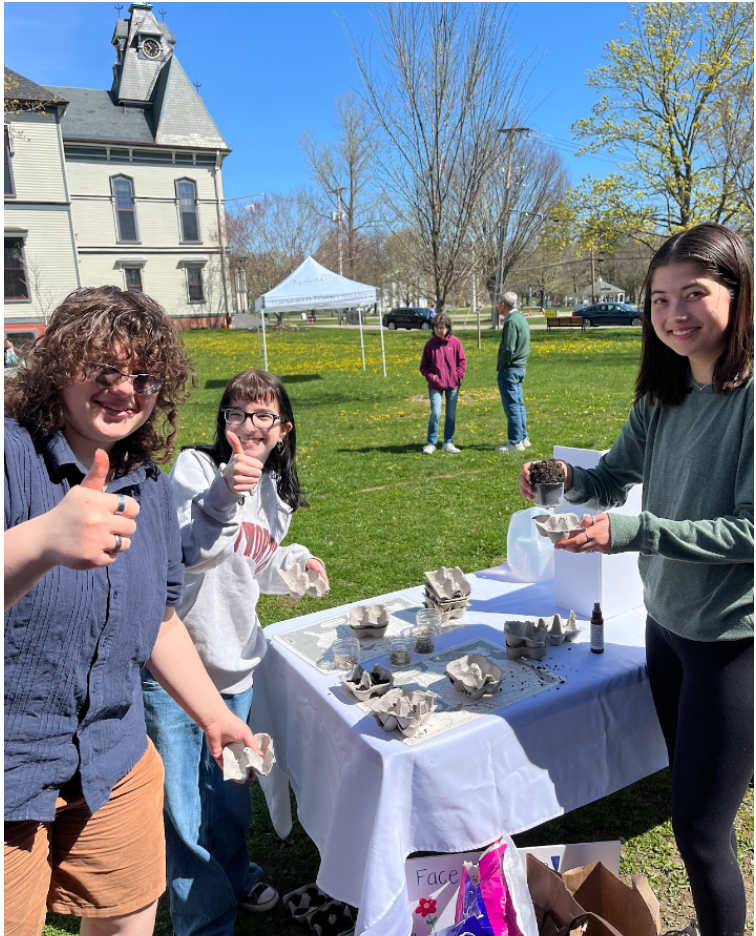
(92, 325)
(443, 319)
(255, 386)
(723, 254)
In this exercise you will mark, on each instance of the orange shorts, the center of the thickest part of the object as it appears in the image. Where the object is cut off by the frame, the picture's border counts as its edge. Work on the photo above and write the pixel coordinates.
(105, 864)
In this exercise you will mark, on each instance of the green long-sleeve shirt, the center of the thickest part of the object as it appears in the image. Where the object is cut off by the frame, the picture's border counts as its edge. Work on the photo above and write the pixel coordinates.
(515, 341)
(695, 533)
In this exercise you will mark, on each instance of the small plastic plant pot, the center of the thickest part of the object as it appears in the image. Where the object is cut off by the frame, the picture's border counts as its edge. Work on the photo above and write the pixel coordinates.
(548, 495)
(346, 652)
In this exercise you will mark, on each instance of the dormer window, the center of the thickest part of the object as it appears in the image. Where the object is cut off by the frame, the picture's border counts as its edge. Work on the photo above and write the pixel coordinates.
(151, 48)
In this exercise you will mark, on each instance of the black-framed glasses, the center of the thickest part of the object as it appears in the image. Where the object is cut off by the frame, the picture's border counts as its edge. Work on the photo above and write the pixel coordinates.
(237, 417)
(106, 376)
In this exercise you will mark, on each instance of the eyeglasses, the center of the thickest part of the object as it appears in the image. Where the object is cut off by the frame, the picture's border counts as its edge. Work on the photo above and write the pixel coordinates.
(237, 417)
(106, 376)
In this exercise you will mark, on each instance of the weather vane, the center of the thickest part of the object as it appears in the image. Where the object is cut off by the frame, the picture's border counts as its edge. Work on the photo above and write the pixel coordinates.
(197, 85)
(162, 14)
(119, 8)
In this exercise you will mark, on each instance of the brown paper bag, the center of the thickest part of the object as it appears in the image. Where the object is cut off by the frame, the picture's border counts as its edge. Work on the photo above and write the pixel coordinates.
(633, 909)
(557, 912)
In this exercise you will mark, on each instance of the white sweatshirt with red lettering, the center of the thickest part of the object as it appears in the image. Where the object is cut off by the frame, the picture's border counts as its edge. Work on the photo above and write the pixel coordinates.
(232, 553)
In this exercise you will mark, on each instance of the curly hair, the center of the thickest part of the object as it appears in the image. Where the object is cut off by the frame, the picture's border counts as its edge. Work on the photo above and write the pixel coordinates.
(99, 325)
(255, 386)
(725, 256)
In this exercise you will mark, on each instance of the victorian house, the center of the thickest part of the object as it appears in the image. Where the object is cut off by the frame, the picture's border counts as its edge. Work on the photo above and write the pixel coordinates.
(121, 186)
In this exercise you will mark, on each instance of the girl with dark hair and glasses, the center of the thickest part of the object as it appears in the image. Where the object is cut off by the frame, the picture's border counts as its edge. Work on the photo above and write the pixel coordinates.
(93, 578)
(689, 441)
(234, 501)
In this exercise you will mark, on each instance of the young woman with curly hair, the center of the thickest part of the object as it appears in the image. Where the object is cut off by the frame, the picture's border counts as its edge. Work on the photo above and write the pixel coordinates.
(93, 576)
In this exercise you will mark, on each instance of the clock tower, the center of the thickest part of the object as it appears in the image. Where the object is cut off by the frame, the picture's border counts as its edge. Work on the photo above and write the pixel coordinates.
(143, 49)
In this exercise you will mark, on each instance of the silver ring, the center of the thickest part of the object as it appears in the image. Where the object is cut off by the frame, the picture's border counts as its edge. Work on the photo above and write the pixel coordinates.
(593, 521)
(120, 504)
(587, 538)
(118, 544)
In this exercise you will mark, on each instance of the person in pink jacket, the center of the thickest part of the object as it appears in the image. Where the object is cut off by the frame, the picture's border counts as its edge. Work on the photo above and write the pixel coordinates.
(443, 365)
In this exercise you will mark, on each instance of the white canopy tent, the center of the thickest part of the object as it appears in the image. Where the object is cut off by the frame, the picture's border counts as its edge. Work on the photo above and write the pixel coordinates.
(312, 286)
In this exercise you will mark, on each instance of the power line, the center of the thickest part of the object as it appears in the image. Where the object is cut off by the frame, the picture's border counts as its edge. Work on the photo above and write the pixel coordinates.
(565, 146)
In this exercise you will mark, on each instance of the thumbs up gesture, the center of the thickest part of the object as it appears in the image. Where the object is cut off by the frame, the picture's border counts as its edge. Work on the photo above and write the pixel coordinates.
(243, 472)
(88, 528)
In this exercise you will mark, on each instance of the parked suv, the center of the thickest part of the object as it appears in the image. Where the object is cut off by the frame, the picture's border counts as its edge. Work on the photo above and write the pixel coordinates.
(413, 317)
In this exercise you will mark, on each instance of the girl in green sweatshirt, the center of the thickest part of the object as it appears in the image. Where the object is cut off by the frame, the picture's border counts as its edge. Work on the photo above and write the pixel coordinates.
(689, 441)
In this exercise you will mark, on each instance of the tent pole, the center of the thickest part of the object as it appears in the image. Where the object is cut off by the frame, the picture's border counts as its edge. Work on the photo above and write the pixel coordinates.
(380, 327)
(362, 339)
(265, 342)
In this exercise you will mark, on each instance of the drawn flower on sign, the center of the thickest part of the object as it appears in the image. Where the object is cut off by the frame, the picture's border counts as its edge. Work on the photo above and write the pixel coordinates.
(426, 906)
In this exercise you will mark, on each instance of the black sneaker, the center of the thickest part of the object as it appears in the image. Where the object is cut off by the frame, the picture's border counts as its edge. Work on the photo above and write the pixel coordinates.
(334, 919)
(690, 930)
(260, 897)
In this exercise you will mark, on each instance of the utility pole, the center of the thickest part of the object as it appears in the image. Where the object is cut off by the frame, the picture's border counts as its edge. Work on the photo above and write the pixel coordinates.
(509, 148)
(593, 279)
(336, 216)
(476, 310)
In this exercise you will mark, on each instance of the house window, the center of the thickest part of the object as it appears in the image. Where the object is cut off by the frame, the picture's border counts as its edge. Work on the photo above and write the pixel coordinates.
(16, 282)
(187, 197)
(196, 288)
(123, 193)
(133, 279)
(7, 166)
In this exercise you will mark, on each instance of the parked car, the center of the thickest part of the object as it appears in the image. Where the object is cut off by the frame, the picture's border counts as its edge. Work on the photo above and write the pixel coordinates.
(610, 313)
(413, 317)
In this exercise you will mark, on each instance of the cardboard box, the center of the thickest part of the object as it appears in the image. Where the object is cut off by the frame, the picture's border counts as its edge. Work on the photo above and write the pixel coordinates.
(435, 880)
(581, 579)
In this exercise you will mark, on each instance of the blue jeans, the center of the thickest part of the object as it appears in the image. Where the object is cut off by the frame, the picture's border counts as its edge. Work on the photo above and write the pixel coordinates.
(436, 397)
(510, 387)
(206, 819)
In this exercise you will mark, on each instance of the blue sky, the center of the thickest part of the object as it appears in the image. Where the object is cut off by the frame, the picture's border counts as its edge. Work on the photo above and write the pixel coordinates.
(270, 71)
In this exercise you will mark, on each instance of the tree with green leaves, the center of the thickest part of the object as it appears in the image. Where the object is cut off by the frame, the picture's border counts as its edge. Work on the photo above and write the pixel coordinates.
(677, 106)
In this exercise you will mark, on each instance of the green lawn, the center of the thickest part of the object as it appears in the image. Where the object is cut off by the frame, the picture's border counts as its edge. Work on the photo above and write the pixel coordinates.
(382, 513)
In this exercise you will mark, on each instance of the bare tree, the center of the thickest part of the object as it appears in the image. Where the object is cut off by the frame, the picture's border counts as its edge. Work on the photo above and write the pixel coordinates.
(516, 205)
(446, 84)
(271, 238)
(402, 257)
(343, 175)
(45, 298)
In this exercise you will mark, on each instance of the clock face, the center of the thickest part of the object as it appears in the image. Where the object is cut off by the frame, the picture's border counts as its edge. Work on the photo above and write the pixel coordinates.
(151, 48)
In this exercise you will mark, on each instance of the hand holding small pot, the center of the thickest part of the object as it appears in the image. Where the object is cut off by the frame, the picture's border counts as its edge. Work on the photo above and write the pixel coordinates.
(595, 538)
(526, 487)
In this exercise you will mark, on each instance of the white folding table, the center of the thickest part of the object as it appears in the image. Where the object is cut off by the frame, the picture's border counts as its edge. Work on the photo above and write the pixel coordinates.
(368, 800)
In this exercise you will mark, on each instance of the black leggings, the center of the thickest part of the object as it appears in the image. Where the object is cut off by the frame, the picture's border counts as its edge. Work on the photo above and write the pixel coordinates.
(703, 694)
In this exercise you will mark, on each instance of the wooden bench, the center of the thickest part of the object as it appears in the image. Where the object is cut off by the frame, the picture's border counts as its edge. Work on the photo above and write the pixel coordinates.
(554, 320)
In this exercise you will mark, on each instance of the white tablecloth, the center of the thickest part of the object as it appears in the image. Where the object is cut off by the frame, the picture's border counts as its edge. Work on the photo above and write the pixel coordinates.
(368, 800)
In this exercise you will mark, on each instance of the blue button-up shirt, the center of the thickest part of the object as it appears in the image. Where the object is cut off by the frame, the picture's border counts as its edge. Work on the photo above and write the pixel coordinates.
(75, 643)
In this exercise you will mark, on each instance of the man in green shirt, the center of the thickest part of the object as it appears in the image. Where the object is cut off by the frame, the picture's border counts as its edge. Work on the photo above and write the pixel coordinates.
(513, 356)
